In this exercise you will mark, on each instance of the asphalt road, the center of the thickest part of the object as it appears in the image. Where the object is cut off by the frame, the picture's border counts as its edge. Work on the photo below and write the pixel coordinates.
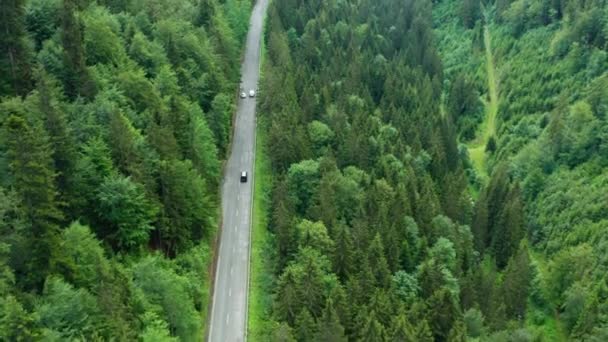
(229, 308)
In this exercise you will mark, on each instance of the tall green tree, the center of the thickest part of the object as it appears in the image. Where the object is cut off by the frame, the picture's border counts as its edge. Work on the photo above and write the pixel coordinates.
(188, 209)
(60, 137)
(516, 284)
(76, 78)
(34, 181)
(15, 57)
(329, 326)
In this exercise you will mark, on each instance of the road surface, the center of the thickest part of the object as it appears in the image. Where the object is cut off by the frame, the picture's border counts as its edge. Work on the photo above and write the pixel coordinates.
(229, 308)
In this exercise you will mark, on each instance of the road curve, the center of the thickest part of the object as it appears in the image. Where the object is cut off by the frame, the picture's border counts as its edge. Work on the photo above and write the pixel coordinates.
(229, 308)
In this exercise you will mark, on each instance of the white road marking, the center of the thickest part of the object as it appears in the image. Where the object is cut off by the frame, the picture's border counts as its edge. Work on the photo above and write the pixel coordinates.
(227, 319)
(237, 213)
(231, 269)
(230, 292)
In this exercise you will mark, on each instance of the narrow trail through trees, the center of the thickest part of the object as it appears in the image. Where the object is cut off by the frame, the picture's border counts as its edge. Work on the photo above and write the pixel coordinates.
(487, 129)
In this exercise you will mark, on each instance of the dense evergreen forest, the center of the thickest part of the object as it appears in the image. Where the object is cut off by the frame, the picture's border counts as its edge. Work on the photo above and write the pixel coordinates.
(114, 119)
(439, 170)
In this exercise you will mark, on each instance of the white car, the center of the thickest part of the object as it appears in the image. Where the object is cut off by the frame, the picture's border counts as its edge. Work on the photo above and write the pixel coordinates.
(243, 95)
(251, 93)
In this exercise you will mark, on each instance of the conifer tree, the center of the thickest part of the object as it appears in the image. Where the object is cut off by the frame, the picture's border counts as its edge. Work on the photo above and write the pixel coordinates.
(402, 330)
(516, 284)
(330, 328)
(34, 181)
(60, 138)
(15, 64)
(305, 326)
(76, 78)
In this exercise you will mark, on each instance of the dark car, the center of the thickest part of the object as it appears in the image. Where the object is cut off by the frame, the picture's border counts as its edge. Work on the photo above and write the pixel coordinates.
(244, 177)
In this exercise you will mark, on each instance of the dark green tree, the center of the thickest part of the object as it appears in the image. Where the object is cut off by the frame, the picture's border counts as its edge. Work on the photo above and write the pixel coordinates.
(60, 137)
(76, 78)
(516, 284)
(330, 329)
(15, 63)
(187, 215)
(34, 181)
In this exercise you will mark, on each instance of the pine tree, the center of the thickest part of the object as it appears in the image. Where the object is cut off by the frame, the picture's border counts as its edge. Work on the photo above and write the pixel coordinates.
(424, 332)
(377, 262)
(310, 287)
(343, 255)
(15, 64)
(402, 330)
(443, 314)
(373, 331)
(306, 327)
(288, 302)
(61, 141)
(283, 333)
(93, 165)
(188, 210)
(16, 324)
(427, 207)
(330, 329)
(458, 333)
(34, 180)
(283, 222)
(516, 284)
(509, 228)
(204, 154)
(206, 11)
(76, 78)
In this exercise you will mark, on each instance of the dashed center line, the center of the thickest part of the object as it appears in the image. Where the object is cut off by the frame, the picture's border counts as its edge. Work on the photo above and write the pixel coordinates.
(227, 319)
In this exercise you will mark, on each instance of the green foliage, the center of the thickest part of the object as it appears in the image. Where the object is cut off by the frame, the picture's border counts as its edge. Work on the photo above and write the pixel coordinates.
(128, 214)
(16, 324)
(15, 55)
(33, 178)
(156, 329)
(82, 260)
(103, 133)
(188, 210)
(76, 78)
(550, 133)
(66, 312)
(167, 294)
(473, 320)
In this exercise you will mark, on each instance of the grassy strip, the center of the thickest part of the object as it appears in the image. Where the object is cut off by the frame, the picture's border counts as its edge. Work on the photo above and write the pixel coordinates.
(487, 128)
(260, 299)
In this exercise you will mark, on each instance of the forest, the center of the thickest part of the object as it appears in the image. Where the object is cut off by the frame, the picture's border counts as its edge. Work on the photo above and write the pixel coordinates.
(115, 117)
(439, 171)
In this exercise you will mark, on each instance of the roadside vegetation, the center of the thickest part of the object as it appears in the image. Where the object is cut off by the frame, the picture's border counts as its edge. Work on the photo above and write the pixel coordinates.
(262, 254)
